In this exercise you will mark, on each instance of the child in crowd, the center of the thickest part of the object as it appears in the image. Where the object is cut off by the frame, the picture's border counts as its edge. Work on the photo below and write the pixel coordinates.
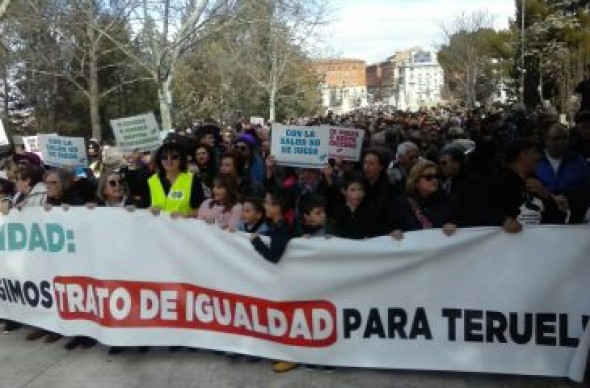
(350, 217)
(313, 216)
(253, 217)
(223, 209)
(276, 204)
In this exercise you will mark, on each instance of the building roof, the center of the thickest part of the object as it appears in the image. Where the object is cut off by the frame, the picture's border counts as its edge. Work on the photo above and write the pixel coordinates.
(338, 60)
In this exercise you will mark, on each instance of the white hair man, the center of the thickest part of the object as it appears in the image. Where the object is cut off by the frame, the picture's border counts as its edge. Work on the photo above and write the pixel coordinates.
(406, 157)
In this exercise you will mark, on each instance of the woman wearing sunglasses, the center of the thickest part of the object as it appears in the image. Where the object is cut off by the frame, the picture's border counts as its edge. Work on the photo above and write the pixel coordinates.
(424, 206)
(112, 191)
(172, 189)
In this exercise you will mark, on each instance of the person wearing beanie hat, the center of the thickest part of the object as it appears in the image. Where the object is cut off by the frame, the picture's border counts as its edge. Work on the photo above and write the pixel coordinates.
(246, 146)
(28, 158)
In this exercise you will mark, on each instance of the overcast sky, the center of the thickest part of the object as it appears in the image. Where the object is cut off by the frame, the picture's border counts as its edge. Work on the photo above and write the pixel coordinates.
(373, 30)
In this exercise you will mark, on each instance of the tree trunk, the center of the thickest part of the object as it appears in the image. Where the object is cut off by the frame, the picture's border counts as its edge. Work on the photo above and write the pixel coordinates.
(93, 93)
(6, 90)
(3, 7)
(272, 105)
(165, 99)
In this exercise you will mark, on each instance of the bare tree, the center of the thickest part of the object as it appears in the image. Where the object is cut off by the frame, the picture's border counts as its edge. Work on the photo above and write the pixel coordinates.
(81, 48)
(168, 30)
(462, 55)
(279, 35)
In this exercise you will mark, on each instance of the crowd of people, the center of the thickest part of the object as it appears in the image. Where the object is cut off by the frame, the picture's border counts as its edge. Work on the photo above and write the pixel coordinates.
(444, 168)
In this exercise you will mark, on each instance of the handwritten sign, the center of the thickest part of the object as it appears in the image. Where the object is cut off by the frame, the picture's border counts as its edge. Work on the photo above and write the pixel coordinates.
(31, 144)
(60, 151)
(137, 133)
(257, 121)
(300, 146)
(345, 143)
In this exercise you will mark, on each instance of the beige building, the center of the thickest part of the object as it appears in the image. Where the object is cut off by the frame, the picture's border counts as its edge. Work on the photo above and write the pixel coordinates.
(344, 84)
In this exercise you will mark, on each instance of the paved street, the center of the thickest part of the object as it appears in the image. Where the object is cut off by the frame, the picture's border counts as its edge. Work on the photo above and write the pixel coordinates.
(36, 364)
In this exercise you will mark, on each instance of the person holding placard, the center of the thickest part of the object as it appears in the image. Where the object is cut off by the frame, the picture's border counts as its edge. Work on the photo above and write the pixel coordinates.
(172, 189)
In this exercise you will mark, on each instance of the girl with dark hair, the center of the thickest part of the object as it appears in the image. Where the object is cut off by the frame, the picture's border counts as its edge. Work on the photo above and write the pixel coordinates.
(210, 135)
(276, 204)
(172, 188)
(224, 209)
(232, 163)
(205, 164)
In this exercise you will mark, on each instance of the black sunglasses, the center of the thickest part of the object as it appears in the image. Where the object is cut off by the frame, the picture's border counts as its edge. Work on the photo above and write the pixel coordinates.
(115, 182)
(429, 177)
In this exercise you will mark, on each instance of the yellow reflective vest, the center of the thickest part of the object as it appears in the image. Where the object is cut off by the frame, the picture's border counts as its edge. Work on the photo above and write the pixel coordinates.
(178, 199)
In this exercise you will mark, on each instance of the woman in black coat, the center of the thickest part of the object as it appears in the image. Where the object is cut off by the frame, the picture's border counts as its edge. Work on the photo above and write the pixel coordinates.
(423, 206)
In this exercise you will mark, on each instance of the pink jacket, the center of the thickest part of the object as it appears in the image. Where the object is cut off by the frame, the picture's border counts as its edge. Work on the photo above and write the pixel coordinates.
(223, 219)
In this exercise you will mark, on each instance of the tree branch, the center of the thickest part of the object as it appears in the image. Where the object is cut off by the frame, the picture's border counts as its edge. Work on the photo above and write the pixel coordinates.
(64, 76)
(3, 7)
(111, 90)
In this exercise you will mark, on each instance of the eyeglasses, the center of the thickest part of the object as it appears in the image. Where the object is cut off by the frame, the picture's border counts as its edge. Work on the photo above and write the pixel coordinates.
(241, 147)
(115, 182)
(170, 157)
(429, 177)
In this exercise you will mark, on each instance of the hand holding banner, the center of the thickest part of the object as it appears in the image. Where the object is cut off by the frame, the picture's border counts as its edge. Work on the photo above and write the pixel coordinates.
(426, 302)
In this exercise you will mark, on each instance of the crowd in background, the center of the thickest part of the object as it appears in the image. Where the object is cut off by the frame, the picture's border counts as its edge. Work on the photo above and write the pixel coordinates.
(446, 168)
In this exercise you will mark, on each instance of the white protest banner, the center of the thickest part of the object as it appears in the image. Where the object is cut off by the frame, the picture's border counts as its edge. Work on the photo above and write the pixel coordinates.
(299, 146)
(60, 151)
(137, 133)
(257, 121)
(345, 143)
(479, 301)
(3, 137)
(31, 144)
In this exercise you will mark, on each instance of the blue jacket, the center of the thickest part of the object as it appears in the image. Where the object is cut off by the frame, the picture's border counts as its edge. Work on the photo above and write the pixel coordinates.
(572, 177)
(257, 169)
